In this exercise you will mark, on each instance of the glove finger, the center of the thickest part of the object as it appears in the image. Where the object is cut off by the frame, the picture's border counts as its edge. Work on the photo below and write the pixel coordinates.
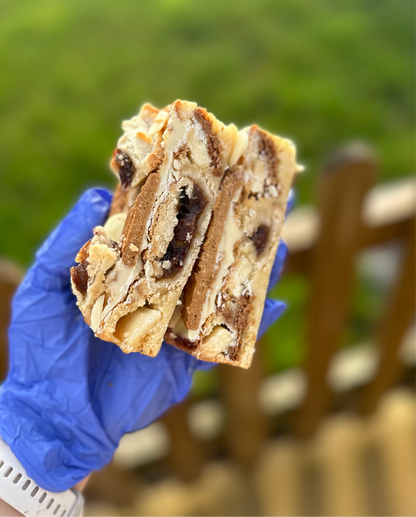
(58, 252)
(278, 264)
(177, 369)
(272, 310)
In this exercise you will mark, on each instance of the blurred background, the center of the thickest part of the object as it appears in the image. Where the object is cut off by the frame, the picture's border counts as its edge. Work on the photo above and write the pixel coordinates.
(323, 422)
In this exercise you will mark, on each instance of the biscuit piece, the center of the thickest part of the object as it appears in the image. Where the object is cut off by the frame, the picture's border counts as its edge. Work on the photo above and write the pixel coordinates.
(131, 274)
(224, 297)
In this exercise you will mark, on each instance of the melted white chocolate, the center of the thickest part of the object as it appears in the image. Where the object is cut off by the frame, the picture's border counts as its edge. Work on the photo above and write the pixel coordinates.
(119, 286)
(198, 147)
(180, 329)
(173, 138)
(97, 310)
(225, 258)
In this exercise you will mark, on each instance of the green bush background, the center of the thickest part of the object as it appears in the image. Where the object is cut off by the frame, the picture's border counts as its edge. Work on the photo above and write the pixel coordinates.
(320, 72)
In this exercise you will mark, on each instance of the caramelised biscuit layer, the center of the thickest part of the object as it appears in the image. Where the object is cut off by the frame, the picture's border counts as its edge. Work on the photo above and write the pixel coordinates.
(224, 297)
(206, 267)
(131, 274)
(137, 217)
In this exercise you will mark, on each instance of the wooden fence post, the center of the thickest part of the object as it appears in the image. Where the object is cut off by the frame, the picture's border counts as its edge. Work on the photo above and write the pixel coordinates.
(392, 431)
(246, 425)
(339, 451)
(277, 478)
(397, 316)
(10, 278)
(186, 455)
(347, 177)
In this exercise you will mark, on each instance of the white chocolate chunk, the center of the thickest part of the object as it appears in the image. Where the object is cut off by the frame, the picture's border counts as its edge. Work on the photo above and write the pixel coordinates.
(132, 327)
(198, 148)
(114, 226)
(218, 341)
(175, 136)
(257, 179)
(97, 310)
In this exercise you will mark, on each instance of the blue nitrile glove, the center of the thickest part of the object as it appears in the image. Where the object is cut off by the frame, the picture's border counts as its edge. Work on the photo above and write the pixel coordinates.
(69, 397)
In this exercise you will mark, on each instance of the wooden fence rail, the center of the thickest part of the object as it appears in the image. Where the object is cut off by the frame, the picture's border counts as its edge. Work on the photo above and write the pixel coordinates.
(324, 242)
(399, 311)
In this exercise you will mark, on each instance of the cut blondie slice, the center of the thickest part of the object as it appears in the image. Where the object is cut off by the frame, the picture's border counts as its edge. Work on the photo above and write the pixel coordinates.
(224, 297)
(131, 274)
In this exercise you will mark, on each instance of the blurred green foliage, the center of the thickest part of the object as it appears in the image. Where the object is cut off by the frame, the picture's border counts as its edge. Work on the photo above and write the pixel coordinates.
(320, 72)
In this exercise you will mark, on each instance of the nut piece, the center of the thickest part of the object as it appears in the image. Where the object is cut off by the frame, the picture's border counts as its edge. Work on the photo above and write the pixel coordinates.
(142, 136)
(160, 121)
(132, 327)
(114, 226)
(240, 147)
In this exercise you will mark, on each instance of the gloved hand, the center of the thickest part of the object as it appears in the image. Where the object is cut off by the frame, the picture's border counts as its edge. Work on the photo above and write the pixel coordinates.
(69, 397)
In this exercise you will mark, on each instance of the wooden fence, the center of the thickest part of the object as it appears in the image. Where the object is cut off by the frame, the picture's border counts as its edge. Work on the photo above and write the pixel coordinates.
(351, 215)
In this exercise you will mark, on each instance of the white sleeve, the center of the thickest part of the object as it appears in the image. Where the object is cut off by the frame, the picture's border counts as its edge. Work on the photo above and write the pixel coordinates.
(22, 493)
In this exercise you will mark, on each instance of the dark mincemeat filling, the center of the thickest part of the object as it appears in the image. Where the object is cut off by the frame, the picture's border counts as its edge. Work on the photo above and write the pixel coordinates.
(126, 167)
(259, 239)
(189, 210)
(80, 276)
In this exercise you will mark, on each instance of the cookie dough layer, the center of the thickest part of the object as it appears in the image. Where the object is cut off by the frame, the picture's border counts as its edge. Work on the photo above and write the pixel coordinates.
(224, 297)
(130, 275)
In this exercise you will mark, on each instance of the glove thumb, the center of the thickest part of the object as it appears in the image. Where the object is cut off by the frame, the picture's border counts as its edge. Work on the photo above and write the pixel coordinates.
(277, 265)
(58, 252)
